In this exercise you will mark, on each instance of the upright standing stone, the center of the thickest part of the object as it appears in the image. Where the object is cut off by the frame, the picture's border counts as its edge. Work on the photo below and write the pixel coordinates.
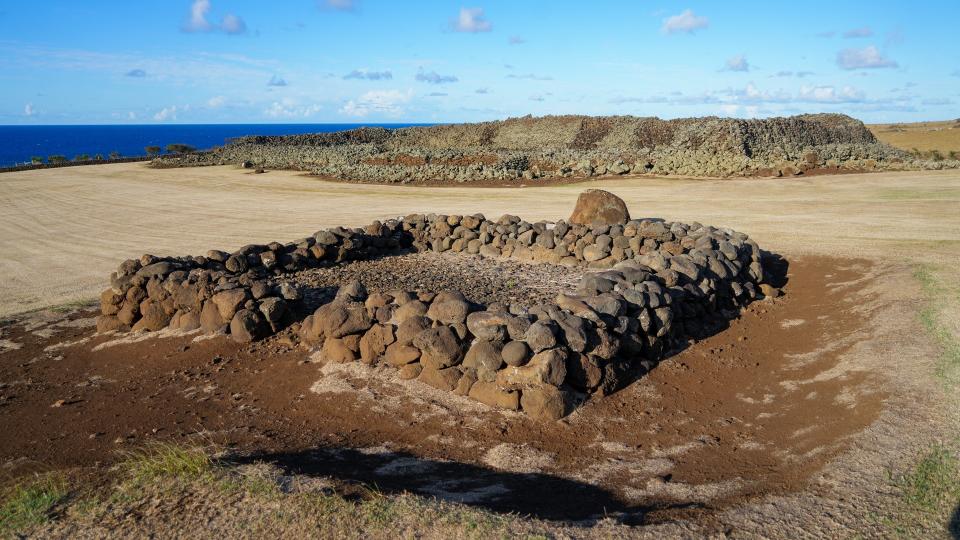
(599, 206)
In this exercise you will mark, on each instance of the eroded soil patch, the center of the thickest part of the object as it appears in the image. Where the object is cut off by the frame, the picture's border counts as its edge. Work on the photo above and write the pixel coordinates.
(753, 410)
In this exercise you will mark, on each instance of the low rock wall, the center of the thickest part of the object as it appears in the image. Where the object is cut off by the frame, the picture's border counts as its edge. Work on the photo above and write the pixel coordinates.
(649, 286)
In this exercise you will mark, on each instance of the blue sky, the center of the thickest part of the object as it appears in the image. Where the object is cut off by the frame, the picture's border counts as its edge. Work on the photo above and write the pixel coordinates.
(305, 61)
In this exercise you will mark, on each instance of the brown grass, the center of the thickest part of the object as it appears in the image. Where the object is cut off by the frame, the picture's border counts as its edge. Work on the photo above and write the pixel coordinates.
(926, 137)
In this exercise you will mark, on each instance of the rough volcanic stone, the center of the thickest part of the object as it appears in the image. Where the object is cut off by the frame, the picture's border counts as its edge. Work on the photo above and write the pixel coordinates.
(599, 206)
(491, 394)
(248, 325)
(442, 379)
(515, 353)
(398, 354)
(547, 367)
(540, 336)
(374, 343)
(228, 302)
(440, 348)
(544, 402)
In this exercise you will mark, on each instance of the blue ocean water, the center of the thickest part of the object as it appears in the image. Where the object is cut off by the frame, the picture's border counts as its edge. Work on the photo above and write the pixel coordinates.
(19, 143)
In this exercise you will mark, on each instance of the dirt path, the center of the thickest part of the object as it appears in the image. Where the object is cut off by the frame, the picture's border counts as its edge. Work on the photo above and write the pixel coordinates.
(62, 231)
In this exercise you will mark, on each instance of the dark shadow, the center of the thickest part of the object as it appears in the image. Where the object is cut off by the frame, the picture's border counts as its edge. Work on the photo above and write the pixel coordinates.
(777, 269)
(954, 526)
(530, 494)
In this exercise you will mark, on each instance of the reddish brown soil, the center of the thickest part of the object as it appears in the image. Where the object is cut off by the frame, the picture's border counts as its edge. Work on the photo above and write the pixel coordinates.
(739, 409)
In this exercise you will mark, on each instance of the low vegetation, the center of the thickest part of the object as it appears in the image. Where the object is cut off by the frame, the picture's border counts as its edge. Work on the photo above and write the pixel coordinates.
(928, 140)
(948, 364)
(164, 489)
(930, 492)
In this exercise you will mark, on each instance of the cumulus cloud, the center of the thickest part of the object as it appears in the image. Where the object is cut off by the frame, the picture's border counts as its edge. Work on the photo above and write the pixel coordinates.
(289, 108)
(28, 110)
(276, 81)
(737, 63)
(530, 77)
(197, 20)
(167, 113)
(137, 73)
(385, 102)
(432, 77)
(471, 20)
(369, 75)
(687, 22)
(216, 101)
(858, 33)
(830, 94)
(516, 40)
(865, 58)
(339, 5)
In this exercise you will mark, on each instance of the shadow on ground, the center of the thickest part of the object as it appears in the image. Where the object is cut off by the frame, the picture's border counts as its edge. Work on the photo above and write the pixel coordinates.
(537, 495)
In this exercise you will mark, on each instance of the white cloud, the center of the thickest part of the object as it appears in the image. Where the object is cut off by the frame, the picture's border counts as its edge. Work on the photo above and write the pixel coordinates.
(830, 94)
(288, 108)
(369, 75)
(197, 20)
(167, 113)
(131, 115)
(471, 20)
(858, 33)
(216, 101)
(276, 81)
(385, 102)
(28, 110)
(687, 22)
(738, 63)
(433, 77)
(865, 58)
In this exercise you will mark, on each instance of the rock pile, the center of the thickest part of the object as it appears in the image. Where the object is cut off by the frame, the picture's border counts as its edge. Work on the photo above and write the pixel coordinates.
(526, 149)
(653, 285)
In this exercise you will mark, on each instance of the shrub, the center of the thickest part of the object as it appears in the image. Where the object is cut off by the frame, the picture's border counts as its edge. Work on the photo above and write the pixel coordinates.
(936, 155)
(953, 155)
(152, 150)
(98, 157)
(57, 158)
(115, 155)
(82, 157)
(178, 148)
(36, 160)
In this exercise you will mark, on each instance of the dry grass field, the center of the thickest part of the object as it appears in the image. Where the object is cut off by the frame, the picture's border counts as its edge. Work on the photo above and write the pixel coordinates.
(926, 137)
(843, 393)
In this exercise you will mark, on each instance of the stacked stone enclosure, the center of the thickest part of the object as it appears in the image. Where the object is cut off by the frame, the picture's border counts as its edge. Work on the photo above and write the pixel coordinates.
(648, 287)
(528, 148)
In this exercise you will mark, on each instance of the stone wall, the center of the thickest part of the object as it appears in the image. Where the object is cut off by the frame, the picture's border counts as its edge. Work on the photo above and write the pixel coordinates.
(650, 285)
(528, 148)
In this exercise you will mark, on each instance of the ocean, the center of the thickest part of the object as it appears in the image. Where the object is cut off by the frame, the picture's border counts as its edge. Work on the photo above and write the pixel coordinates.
(18, 144)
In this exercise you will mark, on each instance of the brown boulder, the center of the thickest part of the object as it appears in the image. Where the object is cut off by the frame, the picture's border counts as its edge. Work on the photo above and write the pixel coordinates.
(599, 206)
(547, 367)
(248, 325)
(441, 379)
(491, 394)
(229, 302)
(374, 343)
(440, 348)
(398, 354)
(337, 351)
(545, 402)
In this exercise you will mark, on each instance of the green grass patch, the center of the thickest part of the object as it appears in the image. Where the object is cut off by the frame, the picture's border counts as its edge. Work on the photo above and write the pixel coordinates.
(159, 461)
(934, 483)
(948, 365)
(30, 502)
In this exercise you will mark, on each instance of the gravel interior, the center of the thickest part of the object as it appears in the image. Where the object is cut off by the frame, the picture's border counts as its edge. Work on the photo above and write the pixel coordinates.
(482, 280)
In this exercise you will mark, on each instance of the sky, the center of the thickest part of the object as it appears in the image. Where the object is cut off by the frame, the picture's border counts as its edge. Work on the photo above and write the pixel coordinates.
(378, 61)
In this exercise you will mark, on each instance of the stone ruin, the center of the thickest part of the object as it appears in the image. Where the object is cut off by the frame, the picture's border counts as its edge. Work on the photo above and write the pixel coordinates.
(648, 286)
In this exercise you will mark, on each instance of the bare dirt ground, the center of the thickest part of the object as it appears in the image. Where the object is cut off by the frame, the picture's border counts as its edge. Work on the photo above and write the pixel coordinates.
(793, 422)
(943, 137)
